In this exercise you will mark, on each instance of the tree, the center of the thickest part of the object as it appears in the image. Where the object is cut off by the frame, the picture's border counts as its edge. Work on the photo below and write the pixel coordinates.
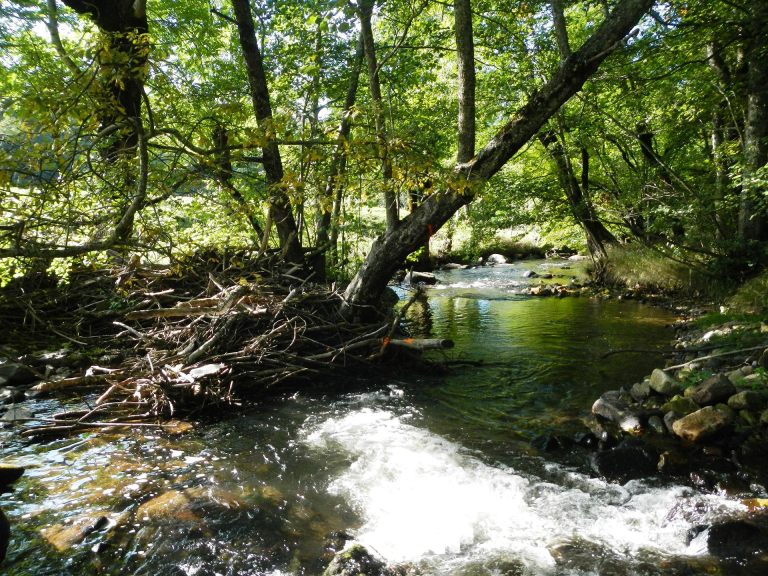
(389, 250)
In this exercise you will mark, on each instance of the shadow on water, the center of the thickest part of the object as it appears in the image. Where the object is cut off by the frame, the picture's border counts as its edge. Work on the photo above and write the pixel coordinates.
(431, 471)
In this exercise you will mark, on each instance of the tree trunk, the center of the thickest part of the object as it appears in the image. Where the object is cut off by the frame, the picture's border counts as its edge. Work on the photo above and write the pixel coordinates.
(326, 237)
(390, 249)
(390, 198)
(465, 49)
(125, 24)
(753, 215)
(598, 236)
(280, 206)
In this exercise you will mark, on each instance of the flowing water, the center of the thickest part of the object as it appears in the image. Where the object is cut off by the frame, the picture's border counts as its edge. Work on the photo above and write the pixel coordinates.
(432, 471)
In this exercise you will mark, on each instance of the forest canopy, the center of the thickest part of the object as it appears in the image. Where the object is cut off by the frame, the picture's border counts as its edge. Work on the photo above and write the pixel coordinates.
(305, 129)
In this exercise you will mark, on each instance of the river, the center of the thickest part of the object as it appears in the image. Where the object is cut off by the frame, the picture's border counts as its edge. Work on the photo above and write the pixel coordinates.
(430, 470)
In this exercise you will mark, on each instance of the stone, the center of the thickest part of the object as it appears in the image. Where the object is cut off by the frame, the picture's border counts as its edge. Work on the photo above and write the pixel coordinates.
(356, 561)
(10, 395)
(673, 462)
(530, 274)
(736, 376)
(16, 413)
(17, 373)
(550, 443)
(657, 425)
(9, 475)
(763, 361)
(734, 539)
(496, 259)
(585, 439)
(750, 418)
(670, 418)
(712, 391)
(664, 384)
(641, 391)
(747, 400)
(627, 461)
(681, 405)
(190, 505)
(66, 535)
(701, 424)
(452, 266)
(420, 278)
(619, 412)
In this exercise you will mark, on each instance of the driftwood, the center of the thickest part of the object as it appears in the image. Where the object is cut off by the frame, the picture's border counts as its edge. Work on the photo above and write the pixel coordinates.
(210, 337)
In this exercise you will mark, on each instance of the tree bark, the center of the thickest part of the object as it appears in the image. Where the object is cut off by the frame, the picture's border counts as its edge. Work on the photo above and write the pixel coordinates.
(598, 236)
(561, 31)
(280, 206)
(390, 198)
(465, 49)
(753, 215)
(390, 249)
(125, 24)
(334, 185)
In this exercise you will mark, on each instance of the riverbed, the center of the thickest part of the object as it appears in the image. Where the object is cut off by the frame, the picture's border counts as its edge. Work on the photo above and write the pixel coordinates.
(432, 471)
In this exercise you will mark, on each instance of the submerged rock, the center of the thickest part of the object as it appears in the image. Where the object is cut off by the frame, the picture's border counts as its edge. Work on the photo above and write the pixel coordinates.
(68, 534)
(628, 461)
(713, 390)
(735, 539)
(356, 561)
(191, 505)
(551, 443)
(702, 424)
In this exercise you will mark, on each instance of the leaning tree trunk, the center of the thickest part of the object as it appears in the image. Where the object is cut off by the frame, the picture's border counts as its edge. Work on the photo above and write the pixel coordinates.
(753, 215)
(390, 249)
(279, 204)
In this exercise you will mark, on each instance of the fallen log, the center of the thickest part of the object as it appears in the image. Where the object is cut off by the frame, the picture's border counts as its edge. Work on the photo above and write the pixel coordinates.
(423, 343)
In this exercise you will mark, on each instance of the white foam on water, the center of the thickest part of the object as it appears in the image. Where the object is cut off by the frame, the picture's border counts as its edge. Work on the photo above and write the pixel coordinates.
(423, 496)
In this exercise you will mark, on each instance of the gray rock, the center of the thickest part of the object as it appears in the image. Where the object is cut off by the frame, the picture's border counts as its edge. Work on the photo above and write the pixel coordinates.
(664, 384)
(713, 390)
(619, 412)
(356, 561)
(15, 413)
(453, 266)
(641, 391)
(747, 400)
(681, 405)
(16, 373)
(530, 274)
(10, 395)
(657, 425)
(628, 461)
(670, 418)
(420, 278)
(702, 424)
(736, 376)
(496, 259)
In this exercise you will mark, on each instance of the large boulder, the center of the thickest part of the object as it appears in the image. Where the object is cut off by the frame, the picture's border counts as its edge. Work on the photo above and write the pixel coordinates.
(712, 391)
(628, 461)
(702, 424)
(665, 384)
(496, 259)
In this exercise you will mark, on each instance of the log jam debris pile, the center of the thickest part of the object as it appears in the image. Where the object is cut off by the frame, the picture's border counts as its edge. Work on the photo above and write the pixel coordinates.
(197, 335)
